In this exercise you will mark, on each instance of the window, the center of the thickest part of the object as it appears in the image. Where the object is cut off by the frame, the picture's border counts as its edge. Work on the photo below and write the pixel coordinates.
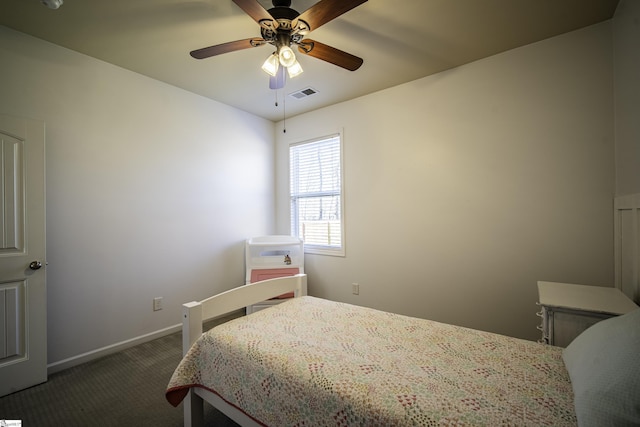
(316, 194)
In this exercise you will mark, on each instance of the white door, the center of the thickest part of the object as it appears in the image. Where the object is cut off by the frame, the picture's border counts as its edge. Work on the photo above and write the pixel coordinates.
(23, 316)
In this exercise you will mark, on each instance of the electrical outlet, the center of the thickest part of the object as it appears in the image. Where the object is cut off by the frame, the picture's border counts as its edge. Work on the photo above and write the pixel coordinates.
(355, 288)
(157, 303)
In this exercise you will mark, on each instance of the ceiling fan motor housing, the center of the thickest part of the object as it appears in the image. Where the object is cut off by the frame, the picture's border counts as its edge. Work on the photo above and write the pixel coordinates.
(283, 34)
(280, 12)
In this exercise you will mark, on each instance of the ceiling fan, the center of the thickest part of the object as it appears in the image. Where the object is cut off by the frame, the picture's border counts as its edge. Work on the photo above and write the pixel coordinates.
(282, 27)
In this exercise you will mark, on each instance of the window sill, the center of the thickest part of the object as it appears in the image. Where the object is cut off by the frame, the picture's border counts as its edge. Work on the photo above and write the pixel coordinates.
(318, 250)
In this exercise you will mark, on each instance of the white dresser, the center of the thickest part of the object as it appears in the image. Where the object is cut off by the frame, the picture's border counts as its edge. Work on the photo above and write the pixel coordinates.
(268, 257)
(569, 309)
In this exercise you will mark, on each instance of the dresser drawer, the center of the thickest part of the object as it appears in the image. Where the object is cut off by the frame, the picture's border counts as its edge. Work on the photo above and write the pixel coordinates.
(561, 326)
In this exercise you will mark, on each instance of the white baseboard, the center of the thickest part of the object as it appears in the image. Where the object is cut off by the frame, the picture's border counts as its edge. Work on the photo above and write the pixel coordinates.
(114, 348)
(110, 349)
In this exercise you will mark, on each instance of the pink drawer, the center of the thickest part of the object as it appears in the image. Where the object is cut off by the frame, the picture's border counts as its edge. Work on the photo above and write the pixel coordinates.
(271, 273)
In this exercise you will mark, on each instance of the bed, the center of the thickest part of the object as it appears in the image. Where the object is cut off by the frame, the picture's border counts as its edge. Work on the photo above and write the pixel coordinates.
(314, 362)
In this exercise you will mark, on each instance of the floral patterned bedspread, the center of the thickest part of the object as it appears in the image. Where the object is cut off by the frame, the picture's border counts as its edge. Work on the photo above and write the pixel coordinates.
(313, 362)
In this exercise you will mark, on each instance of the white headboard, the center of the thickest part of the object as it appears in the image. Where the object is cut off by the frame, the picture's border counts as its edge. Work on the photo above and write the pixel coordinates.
(627, 244)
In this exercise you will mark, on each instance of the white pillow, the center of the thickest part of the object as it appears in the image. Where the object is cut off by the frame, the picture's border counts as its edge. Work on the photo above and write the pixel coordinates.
(604, 366)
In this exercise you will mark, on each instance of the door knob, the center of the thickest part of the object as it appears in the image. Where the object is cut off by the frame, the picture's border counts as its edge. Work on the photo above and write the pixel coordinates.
(35, 265)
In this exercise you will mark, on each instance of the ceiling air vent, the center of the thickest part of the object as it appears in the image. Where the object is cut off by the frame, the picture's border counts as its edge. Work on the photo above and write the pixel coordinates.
(303, 93)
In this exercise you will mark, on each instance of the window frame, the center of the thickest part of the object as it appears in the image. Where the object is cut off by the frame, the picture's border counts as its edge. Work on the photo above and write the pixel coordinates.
(315, 248)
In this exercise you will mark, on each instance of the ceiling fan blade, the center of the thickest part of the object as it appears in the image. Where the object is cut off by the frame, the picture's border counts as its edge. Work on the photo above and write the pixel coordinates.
(323, 12)
(330, 54)
(278, 81)
(219, 49)
(258, 13)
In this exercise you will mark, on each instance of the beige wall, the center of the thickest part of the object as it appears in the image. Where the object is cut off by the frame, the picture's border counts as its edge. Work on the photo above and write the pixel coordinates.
(465, 188)
(627, 96)
(151, 191)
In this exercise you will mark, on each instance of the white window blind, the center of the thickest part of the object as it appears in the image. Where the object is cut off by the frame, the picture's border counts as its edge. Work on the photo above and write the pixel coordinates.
(316, 194)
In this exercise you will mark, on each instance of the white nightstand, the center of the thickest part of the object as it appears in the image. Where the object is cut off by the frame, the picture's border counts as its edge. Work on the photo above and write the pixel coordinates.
(569, 309)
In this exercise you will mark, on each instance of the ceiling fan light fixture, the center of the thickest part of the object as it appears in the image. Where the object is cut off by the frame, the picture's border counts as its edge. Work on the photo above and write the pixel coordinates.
(295, 69)
(286, 56)
(283, 27)
(271, 65)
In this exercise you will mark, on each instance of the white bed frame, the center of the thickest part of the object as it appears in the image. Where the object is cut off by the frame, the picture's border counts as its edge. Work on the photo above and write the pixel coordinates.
(195, 313)
(627, 245)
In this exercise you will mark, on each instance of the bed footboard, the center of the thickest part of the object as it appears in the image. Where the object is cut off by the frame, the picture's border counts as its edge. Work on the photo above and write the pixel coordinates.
(196, 312)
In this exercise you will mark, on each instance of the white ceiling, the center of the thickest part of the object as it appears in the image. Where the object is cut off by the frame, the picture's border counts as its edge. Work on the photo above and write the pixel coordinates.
(399, 40)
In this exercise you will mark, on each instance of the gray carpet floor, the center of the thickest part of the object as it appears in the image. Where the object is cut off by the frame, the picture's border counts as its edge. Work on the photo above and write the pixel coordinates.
(122, 389)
